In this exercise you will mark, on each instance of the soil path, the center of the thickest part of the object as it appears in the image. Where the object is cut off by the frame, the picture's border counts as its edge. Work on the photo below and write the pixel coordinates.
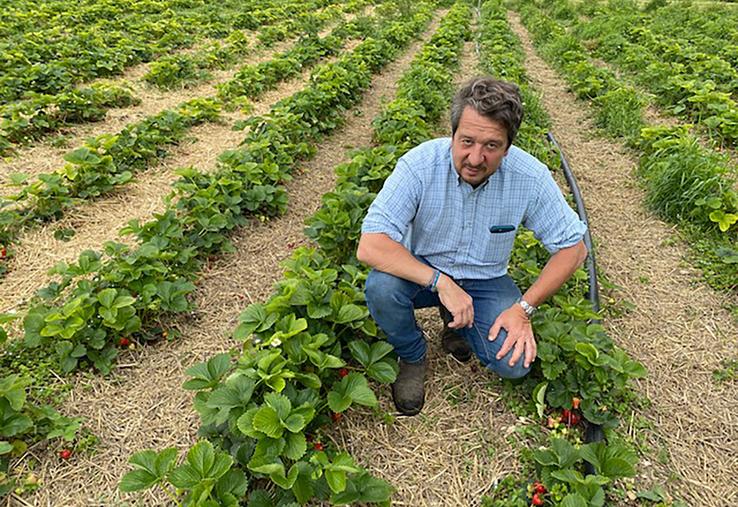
(143, 405)
(677, 328)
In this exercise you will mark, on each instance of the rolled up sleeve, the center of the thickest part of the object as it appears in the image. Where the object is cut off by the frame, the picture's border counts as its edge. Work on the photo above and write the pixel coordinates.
(551, 219)
(396, 204)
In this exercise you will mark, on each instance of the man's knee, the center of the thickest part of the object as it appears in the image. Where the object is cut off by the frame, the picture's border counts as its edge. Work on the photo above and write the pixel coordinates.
(501, 367)
(504, 370)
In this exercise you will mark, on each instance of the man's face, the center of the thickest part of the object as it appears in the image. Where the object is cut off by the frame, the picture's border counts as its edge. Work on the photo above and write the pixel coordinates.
(478, 146)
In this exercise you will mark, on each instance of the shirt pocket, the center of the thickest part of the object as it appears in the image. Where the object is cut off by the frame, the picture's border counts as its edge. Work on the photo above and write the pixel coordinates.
(498, 247)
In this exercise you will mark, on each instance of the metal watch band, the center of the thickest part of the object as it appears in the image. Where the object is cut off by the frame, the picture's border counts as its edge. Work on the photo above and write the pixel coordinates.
(527, 308)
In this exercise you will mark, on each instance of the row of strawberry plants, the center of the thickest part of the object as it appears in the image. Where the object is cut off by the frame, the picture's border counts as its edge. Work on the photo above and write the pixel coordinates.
(266, 413)
(710, 28)
(253, 80)
(686, 182)
(691, 84)
(103, 163)
(579, 372)
(107, 162)
(135, 289)
(26, 120)
(55, 59)
(237, 188)
(29, 119)
(192, 228)
(185, 69)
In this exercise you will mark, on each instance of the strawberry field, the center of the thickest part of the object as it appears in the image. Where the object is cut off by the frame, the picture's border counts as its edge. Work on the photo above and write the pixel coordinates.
(182, 314)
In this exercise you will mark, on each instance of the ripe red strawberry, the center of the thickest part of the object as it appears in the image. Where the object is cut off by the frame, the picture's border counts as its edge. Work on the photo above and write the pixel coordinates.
(336, 416)
(566, 416)
(3, 252)
(65, 454)
(575, 418)
(318, 446)
(124, 342)
(539, 488)
(343, 372)
(537, 500)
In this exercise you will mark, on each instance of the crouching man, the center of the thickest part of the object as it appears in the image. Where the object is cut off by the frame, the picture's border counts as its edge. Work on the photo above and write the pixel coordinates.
(441, 231)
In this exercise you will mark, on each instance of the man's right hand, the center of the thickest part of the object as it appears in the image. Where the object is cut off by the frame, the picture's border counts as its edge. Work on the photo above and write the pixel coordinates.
(456, 301)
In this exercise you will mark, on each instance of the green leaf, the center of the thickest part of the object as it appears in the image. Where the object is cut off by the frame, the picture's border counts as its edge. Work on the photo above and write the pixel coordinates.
(380, 349)
(296, 446)
(285, 481)
(336, 480)
(150, 468)
(254, 319)
(33, 323)
(359, 390)
(303, 488)
(280, 403)
(267, 421)
(185, 476)
(360, 350)
(310, 380)
(106, 297)
(137, 480)
(383, 371)
(574, 500)
(539, 396)
(350, 313)
(207, 374)
(201, 457)
(565, 452)
(234, 483)
(351, 389)
(294, 423)
(338, 402)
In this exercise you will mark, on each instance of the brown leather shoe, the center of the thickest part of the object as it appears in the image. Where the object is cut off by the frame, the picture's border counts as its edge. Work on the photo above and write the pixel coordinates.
(451, 341)
(408, 391)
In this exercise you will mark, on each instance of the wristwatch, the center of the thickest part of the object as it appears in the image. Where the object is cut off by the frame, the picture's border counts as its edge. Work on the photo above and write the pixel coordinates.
(527, 308)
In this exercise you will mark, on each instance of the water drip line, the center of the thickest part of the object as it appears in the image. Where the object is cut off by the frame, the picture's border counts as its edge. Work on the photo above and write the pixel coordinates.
(593, 432)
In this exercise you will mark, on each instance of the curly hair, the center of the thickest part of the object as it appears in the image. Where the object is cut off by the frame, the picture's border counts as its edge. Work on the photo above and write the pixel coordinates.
(497, 100)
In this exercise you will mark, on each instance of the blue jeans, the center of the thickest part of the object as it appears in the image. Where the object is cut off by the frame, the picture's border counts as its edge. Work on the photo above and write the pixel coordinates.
(392, 301)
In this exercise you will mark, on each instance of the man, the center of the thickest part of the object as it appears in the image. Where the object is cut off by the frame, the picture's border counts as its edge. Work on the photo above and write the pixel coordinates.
(441, 230)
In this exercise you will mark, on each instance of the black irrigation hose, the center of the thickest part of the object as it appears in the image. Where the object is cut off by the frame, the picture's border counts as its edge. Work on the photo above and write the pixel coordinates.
(593, 432)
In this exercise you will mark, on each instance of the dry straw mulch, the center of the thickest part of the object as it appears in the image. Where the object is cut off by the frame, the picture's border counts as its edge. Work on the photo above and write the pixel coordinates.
(678, 327)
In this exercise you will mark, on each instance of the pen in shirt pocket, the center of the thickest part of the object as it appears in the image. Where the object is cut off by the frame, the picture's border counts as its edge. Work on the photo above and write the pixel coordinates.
(501, 228)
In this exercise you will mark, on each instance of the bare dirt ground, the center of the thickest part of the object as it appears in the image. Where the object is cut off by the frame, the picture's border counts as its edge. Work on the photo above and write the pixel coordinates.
(678, 328)
(142, 404)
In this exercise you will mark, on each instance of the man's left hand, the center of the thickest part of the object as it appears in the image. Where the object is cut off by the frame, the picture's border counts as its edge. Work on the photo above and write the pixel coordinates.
(519, 335)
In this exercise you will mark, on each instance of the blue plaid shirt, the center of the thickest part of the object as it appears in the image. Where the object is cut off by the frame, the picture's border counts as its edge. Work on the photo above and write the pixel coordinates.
(466, 232)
